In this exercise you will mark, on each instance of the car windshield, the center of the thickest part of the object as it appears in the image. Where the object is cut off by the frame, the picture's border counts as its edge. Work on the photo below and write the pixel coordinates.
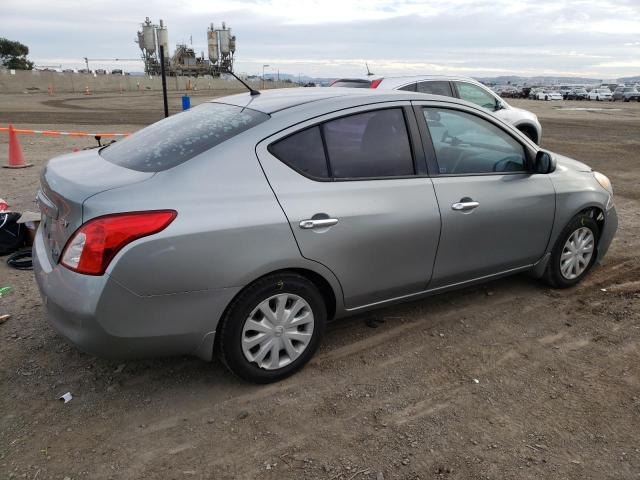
(180, 137)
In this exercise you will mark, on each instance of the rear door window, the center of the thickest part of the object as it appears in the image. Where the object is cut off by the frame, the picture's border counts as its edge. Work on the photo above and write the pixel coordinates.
(436, 88)
(409, 88)
(371, 144)
(180, 137)
(303, 151)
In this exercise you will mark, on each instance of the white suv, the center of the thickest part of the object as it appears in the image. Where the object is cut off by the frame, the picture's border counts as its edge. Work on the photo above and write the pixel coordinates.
(458, 87)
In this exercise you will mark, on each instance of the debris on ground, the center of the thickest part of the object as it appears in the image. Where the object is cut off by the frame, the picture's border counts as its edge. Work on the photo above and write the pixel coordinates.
(66, 398)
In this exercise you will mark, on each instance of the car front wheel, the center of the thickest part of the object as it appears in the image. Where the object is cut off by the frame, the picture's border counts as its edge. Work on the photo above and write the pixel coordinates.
(272, 328)
(574, 253)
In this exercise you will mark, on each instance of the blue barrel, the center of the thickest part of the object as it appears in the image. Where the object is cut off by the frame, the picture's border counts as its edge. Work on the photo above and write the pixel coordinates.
(186, 102)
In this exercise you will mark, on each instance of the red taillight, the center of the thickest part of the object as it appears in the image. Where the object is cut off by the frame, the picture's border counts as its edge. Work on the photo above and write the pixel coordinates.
(375, 83)
(95, 243)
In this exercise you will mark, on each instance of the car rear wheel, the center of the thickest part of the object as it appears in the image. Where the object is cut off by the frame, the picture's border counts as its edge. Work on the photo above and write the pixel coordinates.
(272, 328)
(574, 253)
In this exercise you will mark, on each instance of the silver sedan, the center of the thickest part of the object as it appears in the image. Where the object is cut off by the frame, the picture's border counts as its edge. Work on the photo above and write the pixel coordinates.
(240, 227)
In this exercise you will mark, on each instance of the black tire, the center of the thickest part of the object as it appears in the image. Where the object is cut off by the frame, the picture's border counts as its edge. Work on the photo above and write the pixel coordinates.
(229, 334)
(552, 275)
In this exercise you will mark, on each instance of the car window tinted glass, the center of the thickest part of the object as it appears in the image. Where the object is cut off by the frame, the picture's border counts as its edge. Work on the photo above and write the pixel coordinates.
(465, 143)
(409, 88)
(352, 83)
(436, 88)
(180, 137)
(371, 144)
(304, 152)
(474, 94)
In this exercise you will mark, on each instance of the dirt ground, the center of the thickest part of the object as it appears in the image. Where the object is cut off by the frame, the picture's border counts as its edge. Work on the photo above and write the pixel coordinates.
(557, 394)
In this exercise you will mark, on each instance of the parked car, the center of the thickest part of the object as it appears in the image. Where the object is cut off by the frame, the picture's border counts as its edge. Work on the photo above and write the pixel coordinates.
(599, 94)
(533, 93)
(68, 70)
(84, 70)
(101, 71)
(116, 71)
(549, 95)
(564, 91)
(577, 94)
(626, 94)
(241, 226)
(457, 87)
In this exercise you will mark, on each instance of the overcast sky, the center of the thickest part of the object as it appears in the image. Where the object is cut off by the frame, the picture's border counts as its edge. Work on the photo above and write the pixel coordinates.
(329, 38)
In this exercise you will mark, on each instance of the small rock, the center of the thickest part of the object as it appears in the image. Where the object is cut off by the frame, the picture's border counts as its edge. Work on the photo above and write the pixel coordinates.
(210, 421)
(242, 415)
(120, 368)
(405, 461)
(490, 293)
(475, 380)
(442, 335)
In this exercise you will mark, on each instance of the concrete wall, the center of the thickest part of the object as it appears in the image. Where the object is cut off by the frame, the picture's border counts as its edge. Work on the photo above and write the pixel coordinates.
(31, 81)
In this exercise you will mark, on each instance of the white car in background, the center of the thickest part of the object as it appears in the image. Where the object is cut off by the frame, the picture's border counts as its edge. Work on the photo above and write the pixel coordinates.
(457, 87)
(549, 95)
(598, 94)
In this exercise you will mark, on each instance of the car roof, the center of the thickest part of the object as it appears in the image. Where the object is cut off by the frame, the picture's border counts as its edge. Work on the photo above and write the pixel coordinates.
(274, 100)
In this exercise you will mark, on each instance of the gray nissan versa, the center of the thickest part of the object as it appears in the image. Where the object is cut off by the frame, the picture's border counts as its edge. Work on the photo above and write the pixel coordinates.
(240, 227)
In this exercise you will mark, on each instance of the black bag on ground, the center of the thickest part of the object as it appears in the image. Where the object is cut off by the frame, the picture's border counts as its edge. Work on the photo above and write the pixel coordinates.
(12, 234)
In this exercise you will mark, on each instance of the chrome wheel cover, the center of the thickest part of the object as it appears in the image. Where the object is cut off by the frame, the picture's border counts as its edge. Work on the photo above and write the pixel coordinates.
(577, 253)
(277, 331)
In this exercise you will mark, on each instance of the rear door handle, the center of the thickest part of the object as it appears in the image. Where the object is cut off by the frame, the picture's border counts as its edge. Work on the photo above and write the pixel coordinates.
(465, 206)
(317, 223)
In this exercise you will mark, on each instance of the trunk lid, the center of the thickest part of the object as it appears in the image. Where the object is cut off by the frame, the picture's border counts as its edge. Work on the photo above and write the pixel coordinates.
(66, 182)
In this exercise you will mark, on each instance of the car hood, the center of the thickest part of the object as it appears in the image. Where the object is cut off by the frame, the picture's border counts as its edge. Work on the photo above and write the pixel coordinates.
(571, 164)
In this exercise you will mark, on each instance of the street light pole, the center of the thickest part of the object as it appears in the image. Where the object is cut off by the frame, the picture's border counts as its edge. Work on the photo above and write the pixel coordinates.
(263, 67)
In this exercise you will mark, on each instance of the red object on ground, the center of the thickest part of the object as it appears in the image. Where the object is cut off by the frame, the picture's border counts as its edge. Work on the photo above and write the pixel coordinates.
(16, 159)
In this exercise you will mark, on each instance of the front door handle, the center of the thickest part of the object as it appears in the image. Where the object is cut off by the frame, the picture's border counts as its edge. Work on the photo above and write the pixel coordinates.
(317, 223)
(465, 206)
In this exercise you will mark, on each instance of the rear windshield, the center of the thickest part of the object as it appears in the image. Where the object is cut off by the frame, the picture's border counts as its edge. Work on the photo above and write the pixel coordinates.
(352, 83)
(180, 137)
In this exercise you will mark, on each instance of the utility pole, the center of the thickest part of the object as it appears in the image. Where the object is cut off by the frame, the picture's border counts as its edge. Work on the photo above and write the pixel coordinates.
(164, 82)
(263, 67)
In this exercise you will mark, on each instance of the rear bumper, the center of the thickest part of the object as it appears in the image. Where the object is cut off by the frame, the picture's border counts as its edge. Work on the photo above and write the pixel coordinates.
(105, 319)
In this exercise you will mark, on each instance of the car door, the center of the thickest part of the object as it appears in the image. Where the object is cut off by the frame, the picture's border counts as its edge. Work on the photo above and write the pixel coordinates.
(350, 187)
(496, 214)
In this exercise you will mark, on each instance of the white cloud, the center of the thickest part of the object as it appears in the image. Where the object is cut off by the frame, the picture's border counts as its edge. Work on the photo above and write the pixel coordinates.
(335, 37)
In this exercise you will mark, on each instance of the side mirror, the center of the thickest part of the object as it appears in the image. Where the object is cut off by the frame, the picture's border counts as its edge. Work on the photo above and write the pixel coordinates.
(544, 162)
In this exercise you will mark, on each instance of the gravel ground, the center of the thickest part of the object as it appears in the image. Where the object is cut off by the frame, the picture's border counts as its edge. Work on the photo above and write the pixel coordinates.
(509, 380)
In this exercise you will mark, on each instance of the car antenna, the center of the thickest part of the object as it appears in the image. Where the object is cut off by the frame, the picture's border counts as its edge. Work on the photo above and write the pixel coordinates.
(252, 91)
(369, 72)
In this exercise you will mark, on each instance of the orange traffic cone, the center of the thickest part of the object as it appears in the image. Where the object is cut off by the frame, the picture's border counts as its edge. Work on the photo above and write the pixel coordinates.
(50, 90)
(16, 160)
(87, 91)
